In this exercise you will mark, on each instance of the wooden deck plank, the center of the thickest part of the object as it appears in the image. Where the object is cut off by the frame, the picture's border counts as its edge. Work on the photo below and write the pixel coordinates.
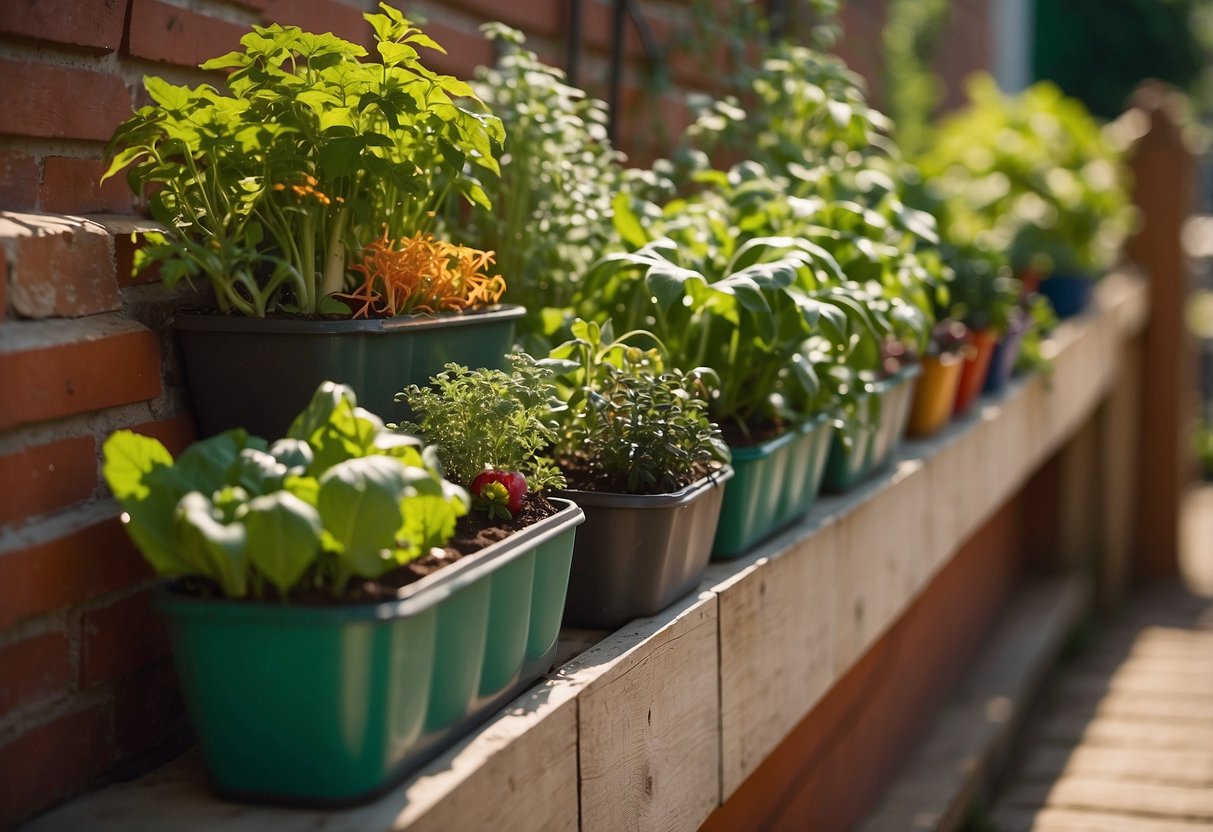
(1069, 820)
(1112, 796)
(1179, 768)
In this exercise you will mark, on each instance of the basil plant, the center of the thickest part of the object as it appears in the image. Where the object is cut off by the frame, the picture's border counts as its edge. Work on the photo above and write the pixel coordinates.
(315, 149)
(339, 497)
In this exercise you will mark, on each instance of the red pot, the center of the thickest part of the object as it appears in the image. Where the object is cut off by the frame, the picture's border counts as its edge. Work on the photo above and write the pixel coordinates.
(976, 367)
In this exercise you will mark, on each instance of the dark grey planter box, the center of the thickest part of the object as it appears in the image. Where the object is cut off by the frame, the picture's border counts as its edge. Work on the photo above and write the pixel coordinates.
(638, 553)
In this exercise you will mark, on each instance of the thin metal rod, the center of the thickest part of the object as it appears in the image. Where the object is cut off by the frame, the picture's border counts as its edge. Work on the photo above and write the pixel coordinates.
(616, 76)
(573, 56)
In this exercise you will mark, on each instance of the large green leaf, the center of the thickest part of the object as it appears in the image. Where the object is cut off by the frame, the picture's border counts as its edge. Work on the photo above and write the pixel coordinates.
(282, 536)
(133, 464)
(216, 550)
(359, 505)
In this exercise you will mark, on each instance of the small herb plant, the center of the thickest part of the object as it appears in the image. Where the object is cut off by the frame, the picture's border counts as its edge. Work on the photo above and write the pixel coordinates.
(339, 497)
(268, 188)
(630, 425)
(489, 420)
(559, 174)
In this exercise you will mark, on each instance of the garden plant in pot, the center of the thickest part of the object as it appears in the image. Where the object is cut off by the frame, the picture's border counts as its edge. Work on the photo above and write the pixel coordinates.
(647, 468)
(335, 610)
(986, 299)
(744, 308)
(552, 201)
(1034, 175)
(942, 366)
(305, 197)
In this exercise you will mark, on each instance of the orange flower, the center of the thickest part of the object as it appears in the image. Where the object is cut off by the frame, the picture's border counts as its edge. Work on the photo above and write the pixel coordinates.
(422, 274)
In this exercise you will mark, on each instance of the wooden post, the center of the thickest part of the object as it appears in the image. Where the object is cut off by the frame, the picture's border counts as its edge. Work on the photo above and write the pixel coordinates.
(1164, 171)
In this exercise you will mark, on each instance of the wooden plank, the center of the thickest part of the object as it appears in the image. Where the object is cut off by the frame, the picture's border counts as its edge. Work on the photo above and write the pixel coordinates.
(776, 651)
(649, 723)
(527, 756)
(1179, 768)
(1069, 820)
(936, 785)
(1117, 797)
(1118, 732)
(1093, 698)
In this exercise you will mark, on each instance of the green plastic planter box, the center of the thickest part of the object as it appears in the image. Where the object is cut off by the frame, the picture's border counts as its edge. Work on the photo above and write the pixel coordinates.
(877, 436)
(258, 373)
(774, 484)
(332, 705)
(639, 553)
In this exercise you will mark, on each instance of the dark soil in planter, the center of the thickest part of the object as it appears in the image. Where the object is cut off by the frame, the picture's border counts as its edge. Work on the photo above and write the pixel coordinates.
(474, 531)
(738, 438)
(579, 477)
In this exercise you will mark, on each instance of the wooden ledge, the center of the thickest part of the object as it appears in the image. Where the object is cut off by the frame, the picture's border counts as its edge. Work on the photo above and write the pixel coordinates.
(653, 726)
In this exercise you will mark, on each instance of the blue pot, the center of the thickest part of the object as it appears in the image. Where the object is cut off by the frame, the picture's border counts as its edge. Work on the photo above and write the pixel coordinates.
(1002, 363)
(1070, 294)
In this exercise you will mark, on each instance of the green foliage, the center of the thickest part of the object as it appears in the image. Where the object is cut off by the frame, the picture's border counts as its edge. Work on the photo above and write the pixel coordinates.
(804, 108)
(341, 496)
(315, 149)
(1032, 175)
(558, 175)
(719, 296)
(911, 38)
(480, 419)
(630, 425)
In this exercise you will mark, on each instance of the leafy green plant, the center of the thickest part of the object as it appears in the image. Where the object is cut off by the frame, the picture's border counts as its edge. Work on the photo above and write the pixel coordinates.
(339, 497)
(489, 419)
(717, 297)
(558, 176)
(630, 425)
(1032, 175)
(314, 151)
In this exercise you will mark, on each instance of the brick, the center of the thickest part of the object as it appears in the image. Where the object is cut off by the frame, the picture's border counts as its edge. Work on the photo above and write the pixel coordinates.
(77, 567)
(92, 24)
(34, 670)
(73, 186)
(535, 17)
(121, 639)
(147, 708)
(176, 433)
(464, 51)
(62, 267)
(54, 760)
(108, 365)
(18, 180)
(171, 34)
(47, 478)
(58, 102)
(124, 257)
(320, 16)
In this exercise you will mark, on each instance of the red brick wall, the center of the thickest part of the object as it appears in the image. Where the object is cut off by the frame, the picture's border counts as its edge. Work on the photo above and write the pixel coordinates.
(86, 689)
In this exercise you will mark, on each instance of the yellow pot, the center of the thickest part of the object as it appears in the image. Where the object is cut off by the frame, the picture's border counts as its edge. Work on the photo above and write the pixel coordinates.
(936, 393)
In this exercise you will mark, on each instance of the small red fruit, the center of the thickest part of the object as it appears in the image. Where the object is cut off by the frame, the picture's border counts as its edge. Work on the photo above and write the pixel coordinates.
(514, 483)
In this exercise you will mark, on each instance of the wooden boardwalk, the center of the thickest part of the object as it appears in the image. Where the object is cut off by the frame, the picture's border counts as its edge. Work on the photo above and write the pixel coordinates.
(1124, 741)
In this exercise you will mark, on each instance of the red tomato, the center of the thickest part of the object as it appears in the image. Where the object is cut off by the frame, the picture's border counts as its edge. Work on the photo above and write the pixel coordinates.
(514, 482)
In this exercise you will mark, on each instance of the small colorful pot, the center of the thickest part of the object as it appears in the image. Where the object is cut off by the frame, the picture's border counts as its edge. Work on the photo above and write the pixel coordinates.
(976, 367)
(1070, 294)
(936, 393)
(1002, 362)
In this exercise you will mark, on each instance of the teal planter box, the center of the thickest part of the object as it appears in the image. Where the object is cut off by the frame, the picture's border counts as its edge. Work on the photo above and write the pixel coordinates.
(332, 705)
(882, 416)
(774, 484)
(258, 373)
